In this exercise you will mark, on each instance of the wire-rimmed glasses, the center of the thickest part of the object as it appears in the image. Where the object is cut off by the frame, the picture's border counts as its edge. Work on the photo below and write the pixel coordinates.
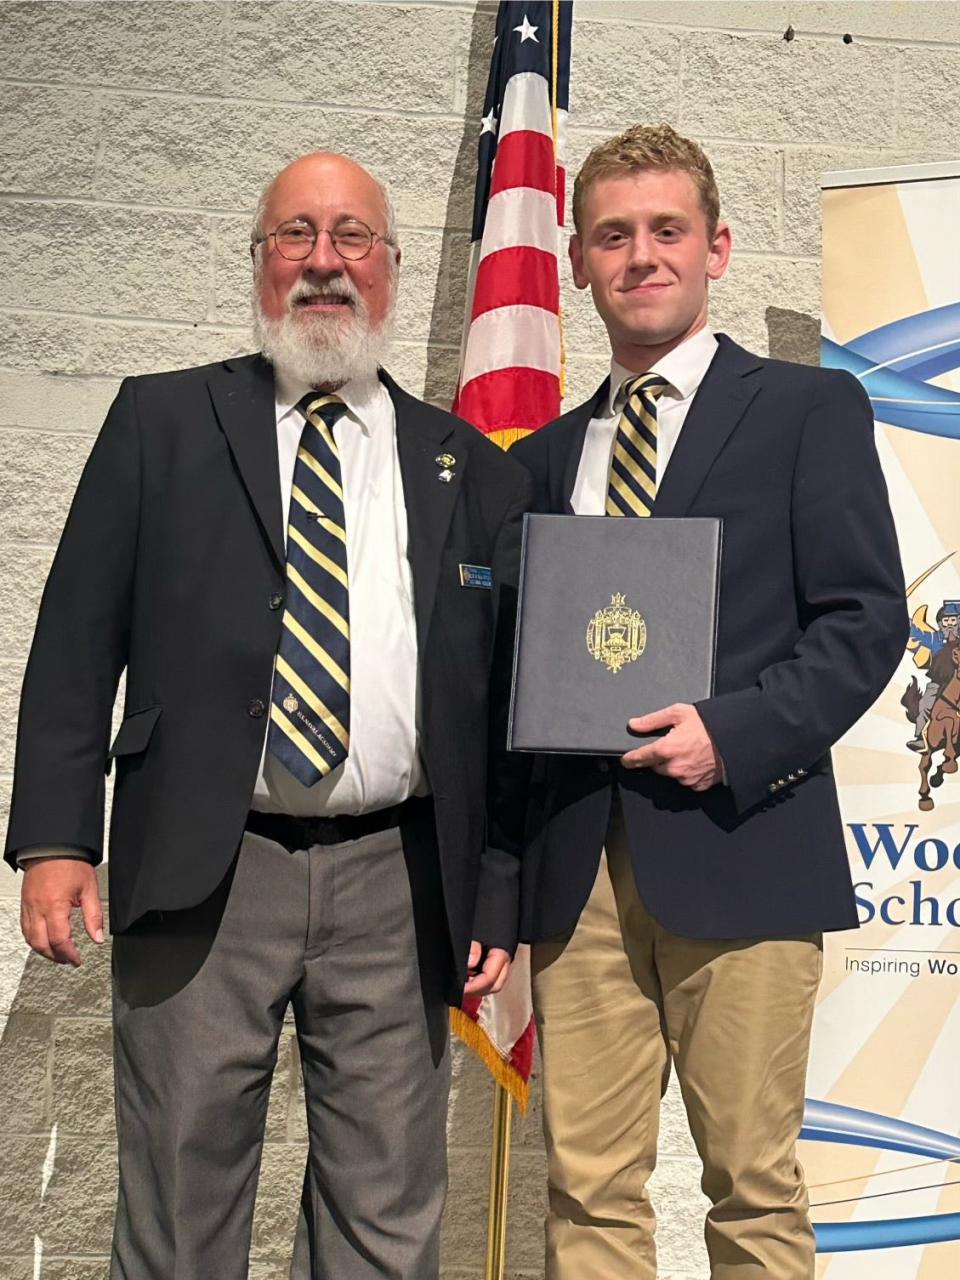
(295, 239)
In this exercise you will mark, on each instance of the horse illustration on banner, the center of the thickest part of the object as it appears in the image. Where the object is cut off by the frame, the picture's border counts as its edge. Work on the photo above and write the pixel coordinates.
(934, 711)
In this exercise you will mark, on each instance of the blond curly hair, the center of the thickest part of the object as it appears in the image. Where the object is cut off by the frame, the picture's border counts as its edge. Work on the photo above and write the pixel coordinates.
(643, 147)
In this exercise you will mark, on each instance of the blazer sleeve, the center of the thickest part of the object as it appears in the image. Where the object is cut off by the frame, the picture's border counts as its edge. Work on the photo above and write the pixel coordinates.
(496, 916)
(850, 600)
(79, 650)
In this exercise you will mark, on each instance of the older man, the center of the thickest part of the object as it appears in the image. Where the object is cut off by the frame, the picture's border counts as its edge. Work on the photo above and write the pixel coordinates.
(273, 548)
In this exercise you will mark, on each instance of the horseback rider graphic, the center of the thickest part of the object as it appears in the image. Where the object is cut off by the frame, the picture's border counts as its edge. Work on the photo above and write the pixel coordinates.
(932, 649)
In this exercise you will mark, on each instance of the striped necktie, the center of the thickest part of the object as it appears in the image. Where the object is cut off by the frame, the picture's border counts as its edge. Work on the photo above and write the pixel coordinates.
(310, 708)
(632, 485)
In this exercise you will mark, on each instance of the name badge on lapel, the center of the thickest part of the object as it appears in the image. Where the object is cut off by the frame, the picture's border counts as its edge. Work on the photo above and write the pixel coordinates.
(476, 575)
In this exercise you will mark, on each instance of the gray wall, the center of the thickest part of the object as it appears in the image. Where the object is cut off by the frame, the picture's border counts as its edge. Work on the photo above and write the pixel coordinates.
(135, 138)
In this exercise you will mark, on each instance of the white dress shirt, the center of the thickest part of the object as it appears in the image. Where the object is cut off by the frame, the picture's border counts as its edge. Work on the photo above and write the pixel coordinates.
(684, 368)
(383, 766)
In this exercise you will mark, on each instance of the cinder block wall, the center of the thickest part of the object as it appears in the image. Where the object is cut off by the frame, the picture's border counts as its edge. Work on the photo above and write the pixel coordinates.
(135, 139)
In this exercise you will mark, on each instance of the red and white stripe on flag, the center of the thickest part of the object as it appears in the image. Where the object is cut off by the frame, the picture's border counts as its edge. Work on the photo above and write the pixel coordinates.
(512, 359)
(501, 1031)
(511, 375)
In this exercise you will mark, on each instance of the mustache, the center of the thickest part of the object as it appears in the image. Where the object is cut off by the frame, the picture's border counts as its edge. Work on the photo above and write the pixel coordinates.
(329, 290)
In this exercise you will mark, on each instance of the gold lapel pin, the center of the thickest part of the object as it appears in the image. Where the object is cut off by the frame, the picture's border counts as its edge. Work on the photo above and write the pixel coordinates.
(445, 460)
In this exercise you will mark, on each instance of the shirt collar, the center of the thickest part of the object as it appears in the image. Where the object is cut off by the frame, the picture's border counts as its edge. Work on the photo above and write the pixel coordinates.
(684, 368)
(360, 395)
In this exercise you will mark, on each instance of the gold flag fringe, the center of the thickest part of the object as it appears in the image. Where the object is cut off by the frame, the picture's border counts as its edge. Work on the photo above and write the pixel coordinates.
(507, 436)
(475, 1038)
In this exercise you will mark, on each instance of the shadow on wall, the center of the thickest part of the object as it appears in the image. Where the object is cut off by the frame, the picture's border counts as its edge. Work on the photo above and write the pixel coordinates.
(450, 298)
(793, 335)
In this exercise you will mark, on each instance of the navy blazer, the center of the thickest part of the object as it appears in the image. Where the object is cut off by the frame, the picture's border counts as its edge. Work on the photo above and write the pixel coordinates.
(812, 622)
(171, 566)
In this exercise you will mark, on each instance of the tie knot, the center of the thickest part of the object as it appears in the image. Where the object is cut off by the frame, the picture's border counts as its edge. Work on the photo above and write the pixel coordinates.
(650, 385)
(322, 405)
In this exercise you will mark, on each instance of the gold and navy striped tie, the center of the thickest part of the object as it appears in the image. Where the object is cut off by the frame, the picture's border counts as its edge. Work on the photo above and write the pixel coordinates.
(310, 708)
(632, 484)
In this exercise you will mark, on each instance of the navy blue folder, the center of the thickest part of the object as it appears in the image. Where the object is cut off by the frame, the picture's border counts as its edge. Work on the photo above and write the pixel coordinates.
(616, 618)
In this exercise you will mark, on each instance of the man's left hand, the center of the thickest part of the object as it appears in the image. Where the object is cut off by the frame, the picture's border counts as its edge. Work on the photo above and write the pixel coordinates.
(686, 753)
(486, 979)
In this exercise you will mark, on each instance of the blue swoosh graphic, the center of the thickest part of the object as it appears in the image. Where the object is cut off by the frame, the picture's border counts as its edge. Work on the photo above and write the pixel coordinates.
(913, 342)
(893, 1233)
(830, 1122)
(911, 350)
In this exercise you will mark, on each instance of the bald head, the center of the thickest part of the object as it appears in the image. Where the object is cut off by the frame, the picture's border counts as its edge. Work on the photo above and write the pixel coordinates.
(326, 171)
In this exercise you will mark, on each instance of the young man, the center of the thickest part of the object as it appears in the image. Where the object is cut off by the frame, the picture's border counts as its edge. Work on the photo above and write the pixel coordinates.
(270, 547)
(677, 896)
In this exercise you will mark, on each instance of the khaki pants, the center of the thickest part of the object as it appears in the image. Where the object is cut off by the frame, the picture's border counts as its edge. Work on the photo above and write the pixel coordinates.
(616, 1003)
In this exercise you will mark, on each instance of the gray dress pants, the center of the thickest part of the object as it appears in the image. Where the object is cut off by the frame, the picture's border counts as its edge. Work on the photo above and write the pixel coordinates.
(199, 1001)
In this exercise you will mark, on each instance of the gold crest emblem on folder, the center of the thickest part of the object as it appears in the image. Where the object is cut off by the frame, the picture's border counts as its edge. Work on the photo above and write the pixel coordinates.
(617, 634)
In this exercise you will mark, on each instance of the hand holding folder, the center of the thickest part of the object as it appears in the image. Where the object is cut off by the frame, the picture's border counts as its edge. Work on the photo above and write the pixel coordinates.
(686, 752)
(616, 619)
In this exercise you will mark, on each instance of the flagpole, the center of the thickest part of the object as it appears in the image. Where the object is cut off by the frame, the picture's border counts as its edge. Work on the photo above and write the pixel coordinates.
(499, 1185)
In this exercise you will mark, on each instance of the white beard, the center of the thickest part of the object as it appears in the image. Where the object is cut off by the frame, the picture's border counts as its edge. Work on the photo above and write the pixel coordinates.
(323, 350)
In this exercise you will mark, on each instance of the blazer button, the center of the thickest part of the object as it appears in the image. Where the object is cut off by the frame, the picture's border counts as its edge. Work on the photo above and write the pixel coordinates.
(276, 600)
(603, 766)
(256, 708)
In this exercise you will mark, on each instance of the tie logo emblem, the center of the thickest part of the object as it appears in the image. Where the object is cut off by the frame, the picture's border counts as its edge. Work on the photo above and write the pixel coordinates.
(617, 634)
(290, 703)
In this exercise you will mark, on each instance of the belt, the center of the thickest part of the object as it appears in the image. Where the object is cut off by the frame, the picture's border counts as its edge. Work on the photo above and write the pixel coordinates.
(293, 832)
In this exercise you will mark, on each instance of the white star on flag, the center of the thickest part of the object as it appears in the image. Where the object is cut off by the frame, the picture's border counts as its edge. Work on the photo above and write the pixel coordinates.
(488, 124)
(527, 32)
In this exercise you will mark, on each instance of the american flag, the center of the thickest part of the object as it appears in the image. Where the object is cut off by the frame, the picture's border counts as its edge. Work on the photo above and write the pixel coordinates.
(511, 378)
(511, 365)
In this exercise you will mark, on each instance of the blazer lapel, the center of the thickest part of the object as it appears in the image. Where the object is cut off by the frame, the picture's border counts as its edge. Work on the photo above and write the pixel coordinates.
(243, 398)
(422, 433)
(568, 449)
(717, 408)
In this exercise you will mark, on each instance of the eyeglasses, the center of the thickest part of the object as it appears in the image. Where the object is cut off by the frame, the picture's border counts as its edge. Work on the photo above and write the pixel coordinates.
(353, 239)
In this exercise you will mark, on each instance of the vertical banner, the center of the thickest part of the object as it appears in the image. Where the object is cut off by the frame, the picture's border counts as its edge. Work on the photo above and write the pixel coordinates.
(881, 1142)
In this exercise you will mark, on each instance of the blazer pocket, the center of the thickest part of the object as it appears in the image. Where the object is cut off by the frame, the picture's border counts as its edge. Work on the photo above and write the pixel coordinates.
(134, 733)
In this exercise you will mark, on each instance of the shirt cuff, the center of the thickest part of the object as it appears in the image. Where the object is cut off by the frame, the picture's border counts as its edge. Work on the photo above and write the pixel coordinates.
(36, 852)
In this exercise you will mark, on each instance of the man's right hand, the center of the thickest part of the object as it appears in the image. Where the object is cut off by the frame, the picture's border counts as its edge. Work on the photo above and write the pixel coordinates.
(52, 888)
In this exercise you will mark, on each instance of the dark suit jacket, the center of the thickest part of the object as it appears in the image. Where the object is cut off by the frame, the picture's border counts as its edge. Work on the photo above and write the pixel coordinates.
(169, 566)
(812, 621)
